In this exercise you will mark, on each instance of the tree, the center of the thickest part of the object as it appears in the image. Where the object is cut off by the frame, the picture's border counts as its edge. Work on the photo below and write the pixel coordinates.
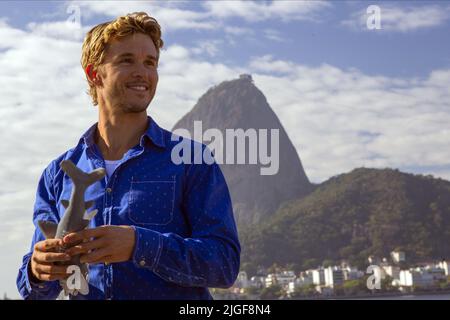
(327, 263)
(252, 290)
(386, 284)
(272, 292)
(274, 268)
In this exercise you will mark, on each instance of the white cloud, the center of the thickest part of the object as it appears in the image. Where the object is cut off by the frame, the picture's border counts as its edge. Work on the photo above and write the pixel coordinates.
(267, 64)
(274, 35)
(170, 15)
(210, 47)
(183, 79)
(174, 15)
(254, 11)
(60, 30)
(9, 36)
(402, 18)
(238, 30)
(211, 15)
(342, 119)
(3, 21)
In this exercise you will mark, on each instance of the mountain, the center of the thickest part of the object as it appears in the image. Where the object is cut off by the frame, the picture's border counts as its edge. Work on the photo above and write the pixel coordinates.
(239, 104)
(352, 216)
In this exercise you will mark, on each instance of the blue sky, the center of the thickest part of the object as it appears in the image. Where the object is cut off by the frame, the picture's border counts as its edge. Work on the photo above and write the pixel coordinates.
(310, 43)
(347, 96)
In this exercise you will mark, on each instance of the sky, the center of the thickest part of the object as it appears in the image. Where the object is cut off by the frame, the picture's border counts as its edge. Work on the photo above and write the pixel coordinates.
(348, 96)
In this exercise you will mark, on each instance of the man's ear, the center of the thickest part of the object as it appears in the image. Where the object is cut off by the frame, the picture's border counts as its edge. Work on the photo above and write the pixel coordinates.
(91, 74)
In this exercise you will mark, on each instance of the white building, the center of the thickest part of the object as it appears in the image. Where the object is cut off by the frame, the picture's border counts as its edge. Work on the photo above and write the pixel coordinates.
(444, 266)
(270, 280)
(436, 272)
(318, 277)
(398, 256)
(374, 260)
(305, 279)
(416, 277)
(246, 76)
(352, 273)
(297, 283)
(333, 276)
(242, 280)
(325, 291)
(283, 279)
(258, 282)
(292, 286)
(392, 271)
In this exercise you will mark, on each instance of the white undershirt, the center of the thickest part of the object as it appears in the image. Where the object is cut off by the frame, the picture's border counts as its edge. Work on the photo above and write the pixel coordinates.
(111, 165)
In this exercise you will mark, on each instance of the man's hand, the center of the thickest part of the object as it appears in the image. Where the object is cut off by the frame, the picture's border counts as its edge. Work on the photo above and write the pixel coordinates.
(105, 244)
(43, 260)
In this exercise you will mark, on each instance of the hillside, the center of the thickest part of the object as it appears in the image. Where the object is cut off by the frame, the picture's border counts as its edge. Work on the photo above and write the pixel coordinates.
(354, 215)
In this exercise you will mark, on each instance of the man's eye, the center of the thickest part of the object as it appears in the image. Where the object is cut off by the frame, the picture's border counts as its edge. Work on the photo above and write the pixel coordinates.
(126, 60)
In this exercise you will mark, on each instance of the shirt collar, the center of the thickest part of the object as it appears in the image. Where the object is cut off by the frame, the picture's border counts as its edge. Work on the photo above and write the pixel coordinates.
(153, 132)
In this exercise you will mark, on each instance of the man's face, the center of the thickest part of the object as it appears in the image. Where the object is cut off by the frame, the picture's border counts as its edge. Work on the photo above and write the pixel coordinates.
(129, 74)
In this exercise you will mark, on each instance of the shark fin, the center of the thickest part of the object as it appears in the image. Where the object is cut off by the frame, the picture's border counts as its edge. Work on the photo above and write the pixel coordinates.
(84, 290)
(95, 175)
(80, 177)
(89, 216)
(48, 228)
(88, 204)
(65, 203)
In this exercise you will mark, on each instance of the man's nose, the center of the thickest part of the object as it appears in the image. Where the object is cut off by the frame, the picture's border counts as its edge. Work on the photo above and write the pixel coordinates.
(140, 71)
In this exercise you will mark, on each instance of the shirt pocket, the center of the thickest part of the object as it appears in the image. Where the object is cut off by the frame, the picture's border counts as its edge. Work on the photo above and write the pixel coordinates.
(151, 202)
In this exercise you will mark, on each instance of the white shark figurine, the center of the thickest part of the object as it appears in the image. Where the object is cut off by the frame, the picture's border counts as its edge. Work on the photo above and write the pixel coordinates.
(75, 218)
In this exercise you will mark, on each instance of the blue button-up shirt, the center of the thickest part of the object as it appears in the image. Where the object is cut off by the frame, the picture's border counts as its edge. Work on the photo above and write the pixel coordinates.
(186, 236)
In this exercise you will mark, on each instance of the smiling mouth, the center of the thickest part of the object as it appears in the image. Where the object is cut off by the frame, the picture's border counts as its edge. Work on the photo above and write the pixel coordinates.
(137, 87)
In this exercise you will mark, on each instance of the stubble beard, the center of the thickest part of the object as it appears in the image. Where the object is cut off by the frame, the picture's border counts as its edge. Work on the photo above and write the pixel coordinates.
(119, 94)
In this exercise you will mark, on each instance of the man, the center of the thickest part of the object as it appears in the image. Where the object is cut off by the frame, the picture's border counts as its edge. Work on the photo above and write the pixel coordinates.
(163, 230)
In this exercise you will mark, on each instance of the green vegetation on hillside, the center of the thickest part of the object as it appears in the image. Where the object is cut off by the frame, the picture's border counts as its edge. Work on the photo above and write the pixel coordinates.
(351, 216)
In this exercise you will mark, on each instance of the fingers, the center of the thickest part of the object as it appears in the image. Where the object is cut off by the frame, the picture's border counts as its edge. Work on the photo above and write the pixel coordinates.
(47, 257)
(95, 256)
(48, 244)
(51, 277)
(49, 272)
(86, 246)
(85, 234)
(105, 259)
(51, 269)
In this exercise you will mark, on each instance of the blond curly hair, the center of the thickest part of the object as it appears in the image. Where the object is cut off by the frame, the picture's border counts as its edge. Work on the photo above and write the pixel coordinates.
(98, 38)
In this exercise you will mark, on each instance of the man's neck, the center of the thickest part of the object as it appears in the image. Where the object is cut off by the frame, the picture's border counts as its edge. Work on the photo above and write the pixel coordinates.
(118, 133)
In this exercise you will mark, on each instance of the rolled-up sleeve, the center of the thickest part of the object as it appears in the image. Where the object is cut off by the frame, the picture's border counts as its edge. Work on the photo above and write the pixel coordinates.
(210, 256)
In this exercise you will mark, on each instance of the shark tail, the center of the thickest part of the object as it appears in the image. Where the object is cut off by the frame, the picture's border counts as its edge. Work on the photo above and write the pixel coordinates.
(74, 287)
(78, 176)
(83, 289)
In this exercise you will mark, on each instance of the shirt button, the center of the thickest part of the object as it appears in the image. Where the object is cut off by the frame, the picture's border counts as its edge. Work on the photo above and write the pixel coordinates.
(109, 190)
(142, 263)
